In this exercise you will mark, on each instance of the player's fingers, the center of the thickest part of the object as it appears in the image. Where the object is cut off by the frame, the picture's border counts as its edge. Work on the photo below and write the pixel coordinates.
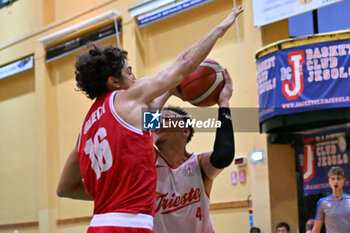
(238, 10)
(227, 76)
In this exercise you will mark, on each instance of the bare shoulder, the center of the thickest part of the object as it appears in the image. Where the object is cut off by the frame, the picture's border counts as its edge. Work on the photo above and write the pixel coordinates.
(147, 88)
(134, 92)
(203, 154)
(204, 157)
(129, 109)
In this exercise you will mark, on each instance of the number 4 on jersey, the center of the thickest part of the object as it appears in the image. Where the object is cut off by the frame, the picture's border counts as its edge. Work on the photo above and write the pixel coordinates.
(199, 213)
(99, 152)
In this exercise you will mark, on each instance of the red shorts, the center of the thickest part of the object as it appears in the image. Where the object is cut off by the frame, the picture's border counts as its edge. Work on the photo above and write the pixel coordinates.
(118, 230)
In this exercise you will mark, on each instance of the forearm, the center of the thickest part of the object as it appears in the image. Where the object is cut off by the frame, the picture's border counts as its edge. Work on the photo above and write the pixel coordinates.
(70, 183)
(159, 102)
(196, 53)
(187, 61)
(200, 49)
(224, 146)
(76, 192)
(317, 226)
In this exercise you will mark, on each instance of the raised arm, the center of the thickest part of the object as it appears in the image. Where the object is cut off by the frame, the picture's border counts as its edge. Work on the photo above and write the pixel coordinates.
(185, 63)
(159, 102)
(212, 163)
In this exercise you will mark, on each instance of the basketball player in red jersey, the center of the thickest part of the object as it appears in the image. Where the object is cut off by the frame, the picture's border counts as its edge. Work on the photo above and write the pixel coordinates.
(113, 159)
(185, 179)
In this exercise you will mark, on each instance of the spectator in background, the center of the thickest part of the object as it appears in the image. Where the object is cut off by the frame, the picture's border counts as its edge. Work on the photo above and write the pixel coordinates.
(309, 225)
(255, 230)
(282, 227)
(334, 210)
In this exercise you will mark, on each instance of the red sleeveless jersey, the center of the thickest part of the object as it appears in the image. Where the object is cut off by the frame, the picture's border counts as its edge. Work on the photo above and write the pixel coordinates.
(116, 161)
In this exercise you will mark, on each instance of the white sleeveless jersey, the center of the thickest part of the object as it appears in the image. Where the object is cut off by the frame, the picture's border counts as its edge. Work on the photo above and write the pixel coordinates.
(182, 204)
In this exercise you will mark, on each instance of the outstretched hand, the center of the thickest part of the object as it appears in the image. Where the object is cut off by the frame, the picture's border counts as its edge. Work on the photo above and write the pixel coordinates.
(230, 19)
(226, 92)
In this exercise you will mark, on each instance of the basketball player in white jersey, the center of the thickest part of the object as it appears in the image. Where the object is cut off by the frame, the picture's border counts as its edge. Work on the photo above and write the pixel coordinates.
(185, 179)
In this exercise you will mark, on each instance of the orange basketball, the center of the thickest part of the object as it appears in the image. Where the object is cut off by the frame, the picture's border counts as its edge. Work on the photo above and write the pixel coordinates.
(203, 86)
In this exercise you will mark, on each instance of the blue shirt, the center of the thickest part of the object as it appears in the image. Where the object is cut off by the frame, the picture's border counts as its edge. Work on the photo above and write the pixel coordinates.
(335, 212)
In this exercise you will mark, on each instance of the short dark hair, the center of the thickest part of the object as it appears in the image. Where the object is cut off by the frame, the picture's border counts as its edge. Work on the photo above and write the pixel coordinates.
(283, 224)
(93, 68)
(255, 229)
(336, 171)
(184, 115)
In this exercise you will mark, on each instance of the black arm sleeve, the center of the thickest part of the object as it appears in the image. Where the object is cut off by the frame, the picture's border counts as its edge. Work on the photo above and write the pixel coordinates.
(224, 146)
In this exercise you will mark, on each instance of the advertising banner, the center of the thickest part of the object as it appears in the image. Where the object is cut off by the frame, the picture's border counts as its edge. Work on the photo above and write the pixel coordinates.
(269, 11)
(73, 45)
(304, 78)
(316, 154)
(169, 10)
(17, 67)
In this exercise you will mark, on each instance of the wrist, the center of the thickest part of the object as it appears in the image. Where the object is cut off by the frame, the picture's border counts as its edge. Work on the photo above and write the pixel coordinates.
(224, 104)
(224, 110)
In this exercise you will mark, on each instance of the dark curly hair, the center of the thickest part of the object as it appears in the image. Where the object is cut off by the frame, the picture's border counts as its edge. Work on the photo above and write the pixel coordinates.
(184, 115)
(95, 66)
